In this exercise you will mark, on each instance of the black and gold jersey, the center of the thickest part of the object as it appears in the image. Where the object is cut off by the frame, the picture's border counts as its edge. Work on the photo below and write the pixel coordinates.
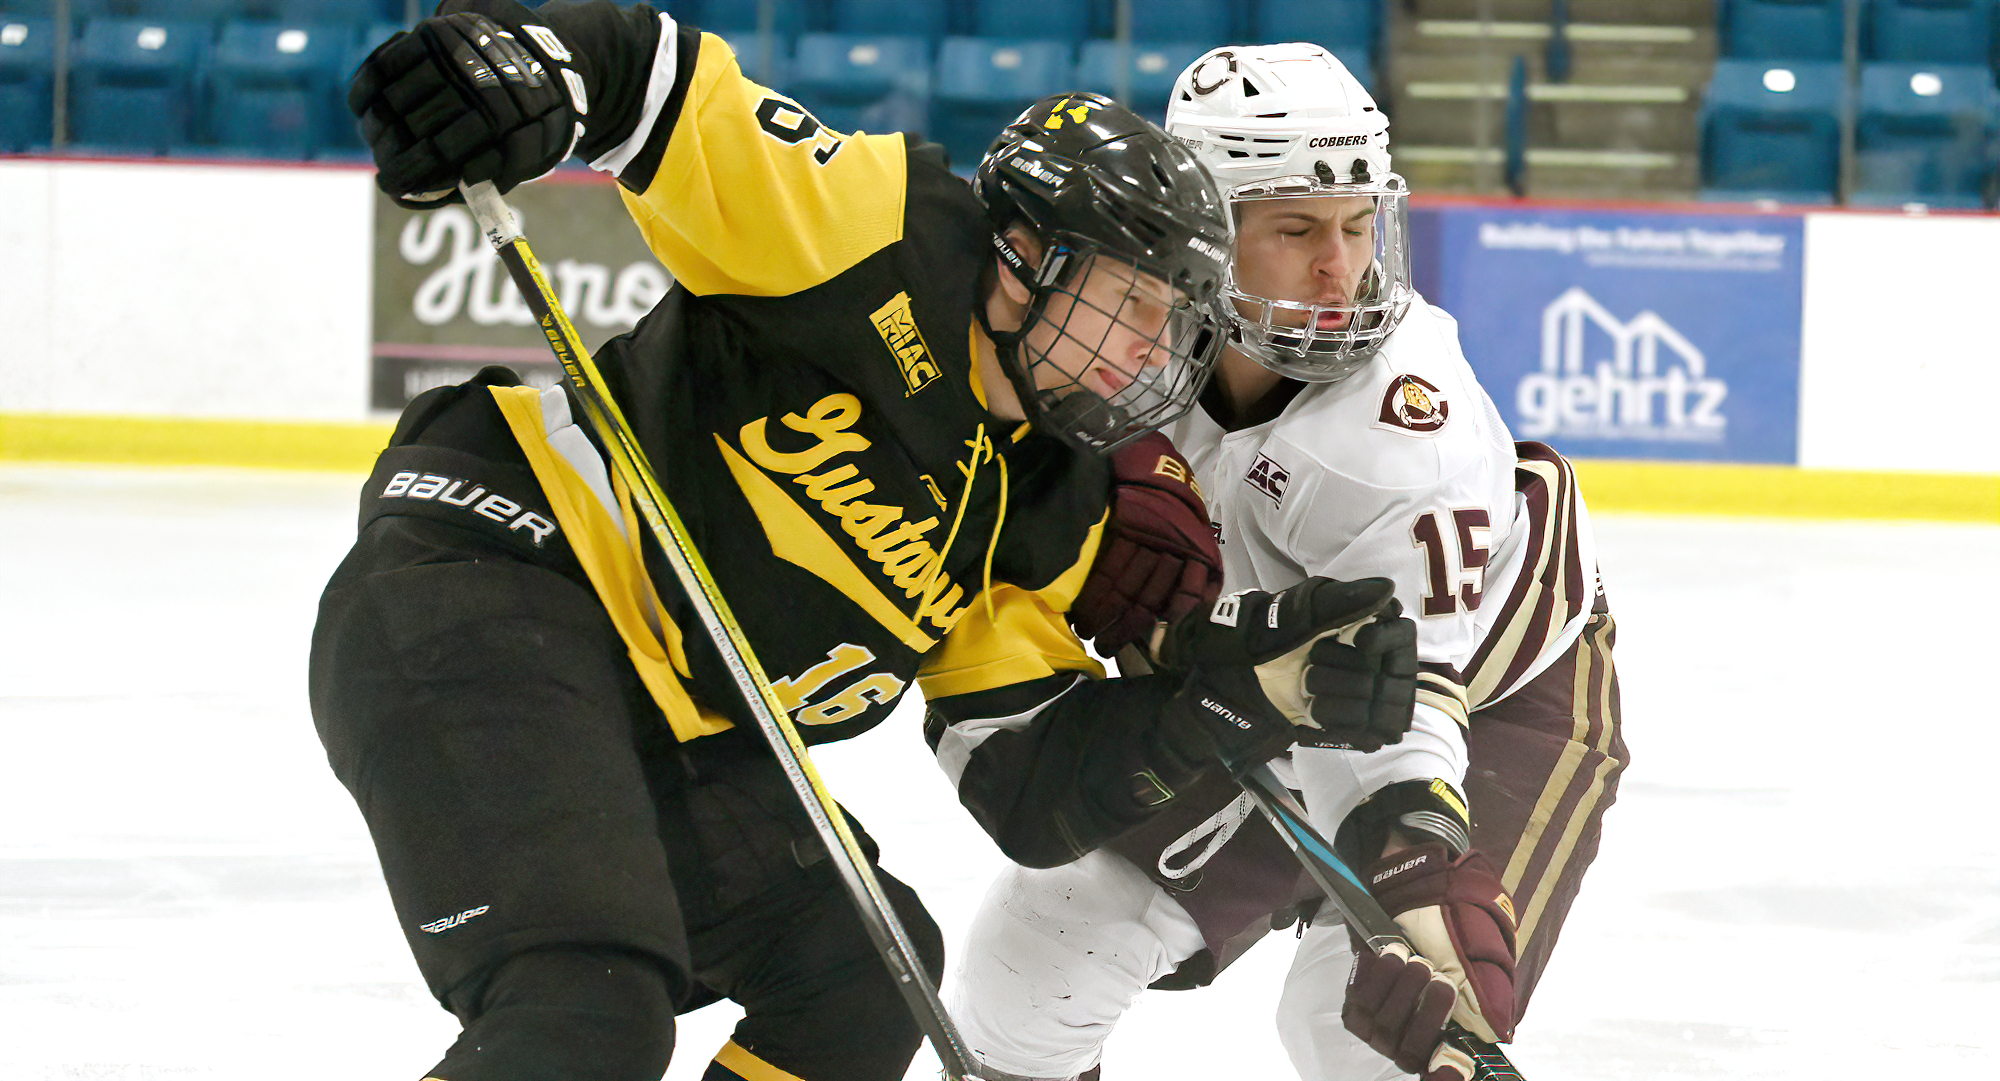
(807, 394)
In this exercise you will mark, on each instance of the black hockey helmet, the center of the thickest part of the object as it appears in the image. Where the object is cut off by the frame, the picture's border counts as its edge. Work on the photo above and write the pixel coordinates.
(1101, 186)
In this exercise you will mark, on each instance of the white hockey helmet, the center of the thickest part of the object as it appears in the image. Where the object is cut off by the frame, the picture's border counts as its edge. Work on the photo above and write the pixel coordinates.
(1284, 122)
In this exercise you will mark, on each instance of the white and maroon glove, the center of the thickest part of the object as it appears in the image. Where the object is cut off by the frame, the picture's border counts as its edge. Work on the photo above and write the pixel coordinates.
(1461, 922)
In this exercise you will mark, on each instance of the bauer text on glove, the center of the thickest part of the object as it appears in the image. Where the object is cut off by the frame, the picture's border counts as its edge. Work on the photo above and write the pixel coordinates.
(1461, 922)
(1229, 652)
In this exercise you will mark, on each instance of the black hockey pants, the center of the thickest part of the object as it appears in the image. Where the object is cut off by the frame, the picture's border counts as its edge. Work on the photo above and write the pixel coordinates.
(566, 874)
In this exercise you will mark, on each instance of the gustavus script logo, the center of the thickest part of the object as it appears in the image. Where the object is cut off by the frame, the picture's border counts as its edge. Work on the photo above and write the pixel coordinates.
(1413, 405)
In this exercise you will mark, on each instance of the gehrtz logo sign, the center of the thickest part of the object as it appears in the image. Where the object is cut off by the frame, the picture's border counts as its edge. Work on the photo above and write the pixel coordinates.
(1607, 378)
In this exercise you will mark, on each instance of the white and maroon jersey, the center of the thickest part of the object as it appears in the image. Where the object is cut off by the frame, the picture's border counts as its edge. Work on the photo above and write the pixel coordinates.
(1405, 471)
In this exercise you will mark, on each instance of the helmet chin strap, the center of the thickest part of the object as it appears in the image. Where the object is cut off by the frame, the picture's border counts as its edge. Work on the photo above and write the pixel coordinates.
(1007, 343)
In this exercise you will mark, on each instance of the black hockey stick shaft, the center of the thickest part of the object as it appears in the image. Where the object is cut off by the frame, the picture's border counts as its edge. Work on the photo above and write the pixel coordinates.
(628, 460)
(1344, 888)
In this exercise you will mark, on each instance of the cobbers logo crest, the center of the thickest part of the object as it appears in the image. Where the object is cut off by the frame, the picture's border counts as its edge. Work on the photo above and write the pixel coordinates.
(1413, 404)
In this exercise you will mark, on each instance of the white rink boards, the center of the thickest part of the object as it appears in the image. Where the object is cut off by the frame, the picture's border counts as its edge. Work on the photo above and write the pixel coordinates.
(1799, 878)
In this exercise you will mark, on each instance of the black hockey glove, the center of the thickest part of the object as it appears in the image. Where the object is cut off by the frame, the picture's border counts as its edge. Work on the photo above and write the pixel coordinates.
(464, 98)
(1360, 689)
(1253, 663)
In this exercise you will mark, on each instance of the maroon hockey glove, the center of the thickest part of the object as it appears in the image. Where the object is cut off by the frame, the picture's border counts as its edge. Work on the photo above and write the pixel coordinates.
(1461, 922)
(1158, 560)
(461, 97)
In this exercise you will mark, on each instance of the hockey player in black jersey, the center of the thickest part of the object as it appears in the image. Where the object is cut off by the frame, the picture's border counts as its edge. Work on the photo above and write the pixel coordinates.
(877, 398)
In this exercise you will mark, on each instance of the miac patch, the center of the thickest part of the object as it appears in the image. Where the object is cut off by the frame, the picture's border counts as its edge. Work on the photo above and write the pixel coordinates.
(1413, 405)
(1269, 478)
(898, 327)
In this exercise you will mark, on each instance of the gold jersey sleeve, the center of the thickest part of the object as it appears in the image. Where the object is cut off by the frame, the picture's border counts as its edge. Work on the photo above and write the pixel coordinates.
(753, 196)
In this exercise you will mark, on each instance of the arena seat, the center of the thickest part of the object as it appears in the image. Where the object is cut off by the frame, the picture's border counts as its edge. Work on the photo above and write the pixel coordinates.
(1210, 21)
(793, 17)
(1058, 20)
(903, 18)
(1771, 130)
(1341, 26)
(982, 83)
(271, 84)
(1153, 71)
(212, 12)
(27, 62)
(1783, 29)
(749, 55)
(339, 138)
(1925, 133)
(1359, 64)
(346, 12)
(1931, 31)
(862, 82)
(133, 86)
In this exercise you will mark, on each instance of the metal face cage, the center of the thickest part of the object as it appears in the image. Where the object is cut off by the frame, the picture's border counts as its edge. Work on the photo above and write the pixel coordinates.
(1287, 336)
(1110, 351)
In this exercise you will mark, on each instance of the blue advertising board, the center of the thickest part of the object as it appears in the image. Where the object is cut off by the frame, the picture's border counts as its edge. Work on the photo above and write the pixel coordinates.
(1627, 334)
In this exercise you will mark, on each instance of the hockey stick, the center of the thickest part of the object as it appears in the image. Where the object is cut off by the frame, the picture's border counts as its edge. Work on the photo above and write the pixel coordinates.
(1357, 906)
(497, 221)
(1350, 896)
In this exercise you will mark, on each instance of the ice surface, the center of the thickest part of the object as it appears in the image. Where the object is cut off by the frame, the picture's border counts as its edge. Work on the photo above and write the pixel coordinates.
(1800, 879)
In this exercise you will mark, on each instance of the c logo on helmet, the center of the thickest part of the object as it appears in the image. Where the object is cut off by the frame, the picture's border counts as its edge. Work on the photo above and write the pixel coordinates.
(1205, 89)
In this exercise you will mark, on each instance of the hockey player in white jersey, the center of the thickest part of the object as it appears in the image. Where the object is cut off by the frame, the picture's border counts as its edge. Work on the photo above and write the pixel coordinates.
(1346, 436)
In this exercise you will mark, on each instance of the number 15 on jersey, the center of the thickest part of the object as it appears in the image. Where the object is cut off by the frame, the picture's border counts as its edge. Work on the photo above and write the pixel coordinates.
(1455, 562)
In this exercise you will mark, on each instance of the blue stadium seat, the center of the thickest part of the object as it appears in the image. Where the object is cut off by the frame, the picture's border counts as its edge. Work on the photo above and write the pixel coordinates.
(345, 12)
(339, 135)
(1784, 30)
(134, 86)
(212, 12)
(1771, 130)
(1154, 69)
(982, 83)
(748, 48)
(1925, 133)
(904, 18)
(794, 17)
(1342, 26)
(859, 82)
(271, 84)
(1055, 20)
(1210, 21)
(1930, 31)
(1360, 64)
(27, 62)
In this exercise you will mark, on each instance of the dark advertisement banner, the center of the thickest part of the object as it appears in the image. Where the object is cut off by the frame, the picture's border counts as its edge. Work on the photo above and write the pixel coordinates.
(1627, 334)
(445, 307)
